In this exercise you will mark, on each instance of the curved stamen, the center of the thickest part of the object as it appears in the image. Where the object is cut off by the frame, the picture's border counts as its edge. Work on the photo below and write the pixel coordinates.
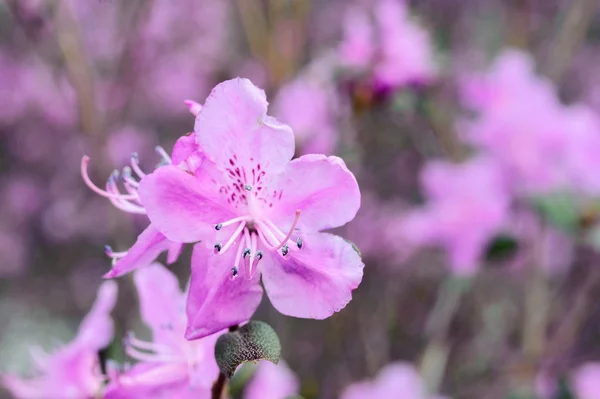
(110, 253)
(121, 201)
(261, 234)
(163, 154)
(149, 357)
(289, 235)
(135, 165)
(279, 234)
(88, 182)
(219, 226)
(232, 239)
(238, 257)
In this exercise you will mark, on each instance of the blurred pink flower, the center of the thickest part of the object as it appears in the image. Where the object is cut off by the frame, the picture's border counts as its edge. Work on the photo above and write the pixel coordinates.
(467, 205)
(397, 48)
(542, 145)
(128, 140)
(243, 198)
(585, 381)
(14, 252)
(314, 127)
(396, 380)
(272, 381)
(170, 366)
(73, 371)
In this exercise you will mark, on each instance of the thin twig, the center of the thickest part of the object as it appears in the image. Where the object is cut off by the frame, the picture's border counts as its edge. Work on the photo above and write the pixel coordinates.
(570, 37)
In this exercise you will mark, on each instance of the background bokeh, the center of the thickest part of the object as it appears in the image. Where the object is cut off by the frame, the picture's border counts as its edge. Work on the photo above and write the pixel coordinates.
(471, 125)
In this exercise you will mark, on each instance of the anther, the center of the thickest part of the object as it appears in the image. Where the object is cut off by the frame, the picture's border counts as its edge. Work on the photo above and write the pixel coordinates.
(299, 242)
(246, 252)
(218, 247)
(248, 187)
(284, 250)
(234, 272)
(108, 250)
(218, 226)
(258, 255)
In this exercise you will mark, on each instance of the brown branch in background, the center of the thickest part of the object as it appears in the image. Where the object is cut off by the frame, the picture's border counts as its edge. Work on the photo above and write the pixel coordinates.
(255, 27)
(566, 333)
(570, 36)
(70, 41)
(519, 22)
(435, 355)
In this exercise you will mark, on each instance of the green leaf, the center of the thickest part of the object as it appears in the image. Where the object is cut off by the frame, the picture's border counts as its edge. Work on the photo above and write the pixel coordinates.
(501, 247)
(252, 342)
(560, 210)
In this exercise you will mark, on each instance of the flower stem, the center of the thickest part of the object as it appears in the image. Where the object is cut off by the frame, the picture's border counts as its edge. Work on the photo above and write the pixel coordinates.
(219, 387)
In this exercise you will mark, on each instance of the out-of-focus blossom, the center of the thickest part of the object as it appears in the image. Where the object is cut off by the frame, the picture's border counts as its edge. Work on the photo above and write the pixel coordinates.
(272, 381)
(585, 381)
(170, 366)
(13, 252)
(542, 145)
(309, 108)
(253, 209)
(467, 205)
(398, 50)
(396, 380)
(73, 371)
(128, 140)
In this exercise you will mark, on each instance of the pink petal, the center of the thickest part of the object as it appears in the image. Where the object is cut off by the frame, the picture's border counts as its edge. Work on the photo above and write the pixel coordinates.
(146, 249)
(214, 301)
(147, 380)
(174, 251)
(96, 329)
(392, 379)
(272, 381)
(183, 148)
(322, 188)
(161, 299)
(181, 206)
(315, 281)
(234, 121)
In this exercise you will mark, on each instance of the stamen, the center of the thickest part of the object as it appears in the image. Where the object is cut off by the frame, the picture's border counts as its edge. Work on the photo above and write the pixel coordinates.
(218, 247)
(233, 237)
(233, 221)
(285, 249)
(161, 151)
(298, 211)
(234, 273)
(86, 178)
(299, 242)
(259, 255)
(253, 245)
(135, 165)
(238, 257)
(247, 187)
(246, 252)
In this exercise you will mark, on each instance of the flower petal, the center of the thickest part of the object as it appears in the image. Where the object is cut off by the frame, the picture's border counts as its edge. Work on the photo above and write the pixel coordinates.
(149, 245)
(183, 207)
(215, 302)
(183, 148)
(161, 299)
(96, 329)
(315, 281)
(148, 380)
(234, 121)
(272, 381)
(322, 188)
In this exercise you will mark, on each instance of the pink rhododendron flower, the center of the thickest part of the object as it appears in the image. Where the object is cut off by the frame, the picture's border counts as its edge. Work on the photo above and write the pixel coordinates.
(396, 380)
(314, 127)
(398, 49)
(170, 366)
(73, 371)
(467, 204)
(256, 212)
(272, 381)
(585, 381)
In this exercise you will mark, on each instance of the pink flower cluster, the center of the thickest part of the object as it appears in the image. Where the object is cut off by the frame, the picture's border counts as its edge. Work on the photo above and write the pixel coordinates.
(528, 145)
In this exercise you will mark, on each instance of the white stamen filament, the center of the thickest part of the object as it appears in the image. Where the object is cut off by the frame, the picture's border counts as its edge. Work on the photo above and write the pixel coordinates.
(233, 237)
(86, 178)
(136, 166)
